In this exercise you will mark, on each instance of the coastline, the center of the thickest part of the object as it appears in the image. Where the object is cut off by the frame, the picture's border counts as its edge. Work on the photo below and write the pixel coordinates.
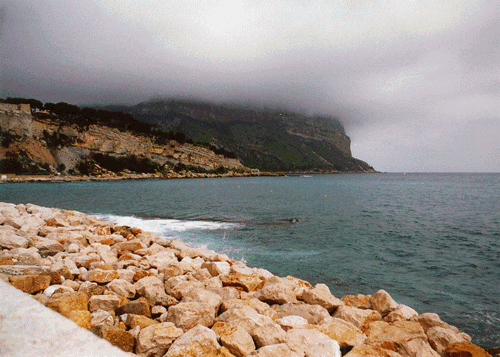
(130, 287)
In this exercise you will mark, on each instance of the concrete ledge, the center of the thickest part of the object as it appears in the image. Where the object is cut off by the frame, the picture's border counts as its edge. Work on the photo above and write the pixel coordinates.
(27, 328)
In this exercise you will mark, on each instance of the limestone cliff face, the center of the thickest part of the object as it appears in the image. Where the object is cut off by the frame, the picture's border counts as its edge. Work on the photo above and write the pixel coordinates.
(51, 143)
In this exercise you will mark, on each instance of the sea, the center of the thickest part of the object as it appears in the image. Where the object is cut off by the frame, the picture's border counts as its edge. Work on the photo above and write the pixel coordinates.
(431, 240)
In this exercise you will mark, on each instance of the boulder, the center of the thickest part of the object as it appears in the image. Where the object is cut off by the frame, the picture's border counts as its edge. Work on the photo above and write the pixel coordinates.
(57, 288)
(151, 288)
(217, 268)
(277, 291)
(186, 315)
(199, 341)
(201, 275)
(48, 247)
(281, 350)
(122, 287)
(402, 312)
(103, 302)
(398, 335)
(162, 259)
(314, 314)
(371, 351)
(234, 338)
(322, 296)
(131, 246)
(358, 317)
(137, 307)
(206, 297)
(30, 284)
(155, 340)
(81, 317)
(245, 317)
(268, 334)
(139, 320)
(429, 320)
(101, 318)
(242, 281)
(66, 303)
(170, 270)
(301, 340)
(119, 338)
(27, 256)
(418, 348)
(345, 333)
(90, 289)
(226, 293)
(100, 276)
(325, 348)
(440, 338)
(292, 321)
(178, 286)
(464, 349)
(382, 302)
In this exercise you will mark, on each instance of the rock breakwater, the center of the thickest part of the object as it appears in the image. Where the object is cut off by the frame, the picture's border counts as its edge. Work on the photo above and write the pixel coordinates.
(152, 296)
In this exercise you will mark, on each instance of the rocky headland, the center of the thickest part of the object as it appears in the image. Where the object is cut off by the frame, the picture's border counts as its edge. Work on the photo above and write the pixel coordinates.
(154, 296)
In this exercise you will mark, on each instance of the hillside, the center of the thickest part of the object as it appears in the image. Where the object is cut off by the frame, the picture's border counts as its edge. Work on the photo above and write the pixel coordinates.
(269, 140)
(47, 144)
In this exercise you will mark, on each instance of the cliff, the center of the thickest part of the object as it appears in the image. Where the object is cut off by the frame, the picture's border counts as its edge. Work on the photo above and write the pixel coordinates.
(270, 140)
(31, 145)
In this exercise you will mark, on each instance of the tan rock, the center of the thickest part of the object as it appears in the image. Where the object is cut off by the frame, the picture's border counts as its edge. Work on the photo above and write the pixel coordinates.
(402, 312)
(66, 303)
(186, 315)
(30, 283)
(170, 270)
(345, 333)
(371, 351)
(301, 340)
(126, 274)
(417, 348)
(48, 247)
(100, 276)
(28, 256)
(203, 296)
(245, 317)
(103, 302)
(199, 341)
(10, 241)
(137, 307)
(180, 286)
(382, 302)
(162, 259)
(151, 288)
(440, 338)
(217, 268)
(314, 314)
(358, 317)
(122, 288)
(155, 340)
(81, 317)
(56, 288)
(397, 334)
(131, 246)
(325, 348)
(139, 320)
(461, 349)
(292, 321)
(242, 281)
(101, 318)
(268, 334)
(234, 338)
(142, 274)
(158, 310)
(205, 254)
(429, 320)
(90, 289)
(322, 296)
(277, 291)
(201, 275)
(119, 338)
(6, 260)
(281, 350)
(226, 293)
(74, 285)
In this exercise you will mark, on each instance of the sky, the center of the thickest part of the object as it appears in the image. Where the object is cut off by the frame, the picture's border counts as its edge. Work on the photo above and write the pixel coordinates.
(416, 83)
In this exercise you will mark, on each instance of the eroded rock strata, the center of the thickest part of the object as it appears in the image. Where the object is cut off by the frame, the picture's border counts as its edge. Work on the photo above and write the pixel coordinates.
(152, 296)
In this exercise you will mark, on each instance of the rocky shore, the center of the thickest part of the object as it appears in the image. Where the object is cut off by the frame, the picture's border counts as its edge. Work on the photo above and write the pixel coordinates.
(152, 296)
(10, 178)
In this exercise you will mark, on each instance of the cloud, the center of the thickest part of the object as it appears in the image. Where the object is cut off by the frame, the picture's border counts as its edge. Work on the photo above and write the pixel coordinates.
(416, 83)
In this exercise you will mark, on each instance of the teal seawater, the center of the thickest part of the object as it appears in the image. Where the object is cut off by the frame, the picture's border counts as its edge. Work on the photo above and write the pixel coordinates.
(431, 240)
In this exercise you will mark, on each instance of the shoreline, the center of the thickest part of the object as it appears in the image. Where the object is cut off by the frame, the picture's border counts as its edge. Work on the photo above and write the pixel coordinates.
(130, 287)
(13, 178)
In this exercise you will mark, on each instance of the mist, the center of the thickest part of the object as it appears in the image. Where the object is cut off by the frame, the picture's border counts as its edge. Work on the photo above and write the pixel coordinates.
(416, 84)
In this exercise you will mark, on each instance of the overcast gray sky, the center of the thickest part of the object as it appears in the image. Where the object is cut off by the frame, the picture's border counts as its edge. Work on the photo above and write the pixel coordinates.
(415, 82)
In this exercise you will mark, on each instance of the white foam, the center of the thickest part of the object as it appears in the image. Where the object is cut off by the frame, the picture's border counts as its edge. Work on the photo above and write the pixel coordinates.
(166, 227)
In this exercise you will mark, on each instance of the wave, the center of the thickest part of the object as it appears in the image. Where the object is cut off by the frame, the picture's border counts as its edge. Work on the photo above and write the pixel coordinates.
(167, 227)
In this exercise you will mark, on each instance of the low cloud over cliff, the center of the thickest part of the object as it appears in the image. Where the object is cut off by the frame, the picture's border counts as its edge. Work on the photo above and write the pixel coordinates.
(417, 84)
